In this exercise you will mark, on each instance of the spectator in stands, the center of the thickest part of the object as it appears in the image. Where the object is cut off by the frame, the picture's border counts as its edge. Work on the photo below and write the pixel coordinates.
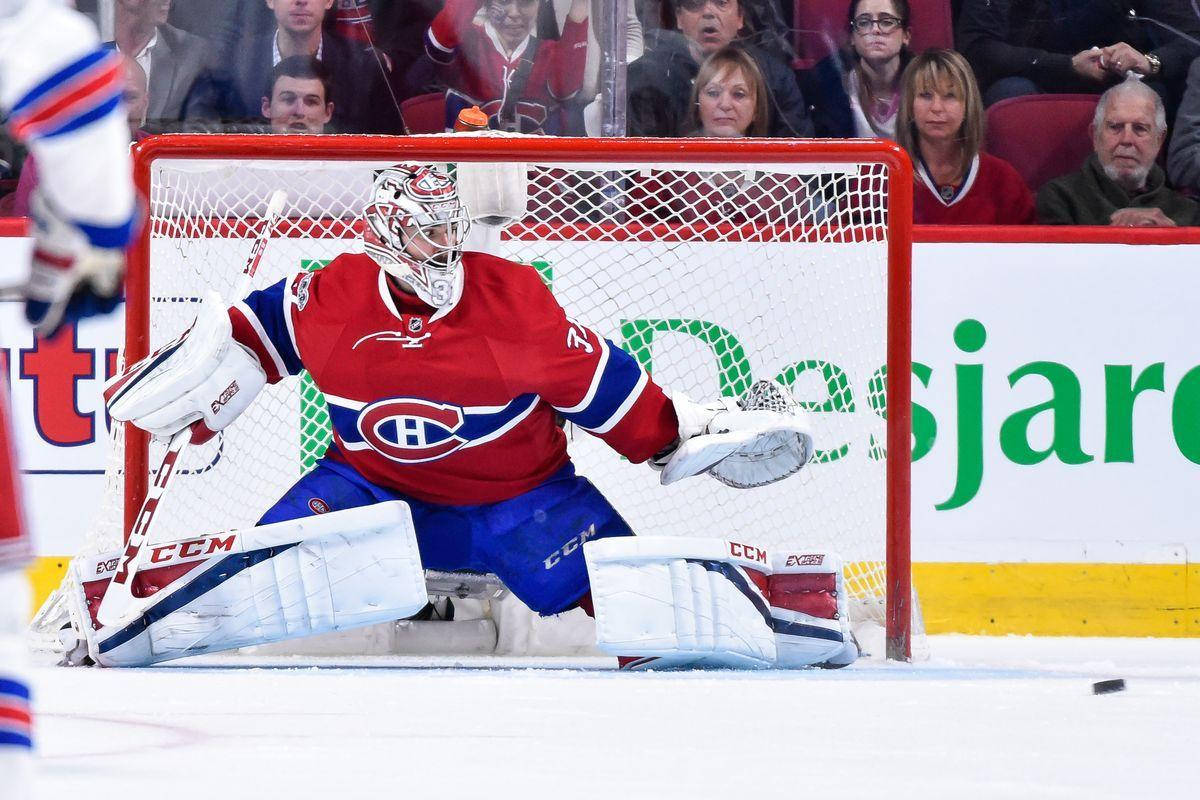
(1020, 47)
(171, 58)
(300, 97)
(232, 90)
(660, 82)
(856, 94)
(495, 61)
(729, 97)
(1120, 184)
(728, 100)
(136, 97)
(1183, 159)
(940, 124)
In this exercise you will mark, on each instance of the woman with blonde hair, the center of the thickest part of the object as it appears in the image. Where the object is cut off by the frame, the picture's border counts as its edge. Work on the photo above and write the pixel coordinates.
(729, 97)
(940, 124)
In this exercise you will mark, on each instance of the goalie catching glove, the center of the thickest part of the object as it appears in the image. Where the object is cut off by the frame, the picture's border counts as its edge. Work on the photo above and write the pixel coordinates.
(204, 375)
(759, 439)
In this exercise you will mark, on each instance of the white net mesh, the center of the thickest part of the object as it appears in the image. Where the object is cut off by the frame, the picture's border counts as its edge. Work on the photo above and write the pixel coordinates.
(712, 276)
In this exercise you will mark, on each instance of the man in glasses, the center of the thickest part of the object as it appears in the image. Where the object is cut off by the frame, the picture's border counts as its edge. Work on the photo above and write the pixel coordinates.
(660, 82)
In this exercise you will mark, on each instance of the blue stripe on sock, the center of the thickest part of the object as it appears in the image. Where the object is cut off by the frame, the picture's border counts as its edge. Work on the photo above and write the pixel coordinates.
(14, 689)
(86, 118)
(13, 739)
(60, 77)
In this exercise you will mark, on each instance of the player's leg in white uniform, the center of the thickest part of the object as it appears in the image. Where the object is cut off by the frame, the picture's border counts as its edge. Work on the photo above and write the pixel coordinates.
(16, 735)
(61, 94)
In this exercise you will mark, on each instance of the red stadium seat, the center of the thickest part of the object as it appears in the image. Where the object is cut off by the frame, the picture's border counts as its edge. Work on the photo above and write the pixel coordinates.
(1042, 135)
(821, 27)
(425, 113)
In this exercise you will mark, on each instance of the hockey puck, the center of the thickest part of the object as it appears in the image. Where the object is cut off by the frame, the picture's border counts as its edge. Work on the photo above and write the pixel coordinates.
(1108, 687)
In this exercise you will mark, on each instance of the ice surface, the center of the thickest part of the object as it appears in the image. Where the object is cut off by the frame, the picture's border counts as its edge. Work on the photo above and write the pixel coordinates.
(984, 718)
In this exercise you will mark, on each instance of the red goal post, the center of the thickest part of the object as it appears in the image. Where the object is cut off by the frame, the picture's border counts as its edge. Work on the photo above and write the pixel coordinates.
(608, 218)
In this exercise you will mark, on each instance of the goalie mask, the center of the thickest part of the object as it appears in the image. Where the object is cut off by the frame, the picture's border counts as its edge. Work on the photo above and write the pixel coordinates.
(415, 229)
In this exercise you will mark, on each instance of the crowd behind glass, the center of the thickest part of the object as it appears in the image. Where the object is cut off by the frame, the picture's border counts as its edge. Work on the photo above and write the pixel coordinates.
(1097, 81)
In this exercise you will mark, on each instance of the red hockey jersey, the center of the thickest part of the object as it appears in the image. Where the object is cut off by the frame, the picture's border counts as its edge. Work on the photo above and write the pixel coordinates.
(455, 406)
(483, 74)
(993, 193)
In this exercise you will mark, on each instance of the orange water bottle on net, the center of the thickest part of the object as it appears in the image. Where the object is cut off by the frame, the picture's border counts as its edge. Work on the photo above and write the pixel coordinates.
(470, 120)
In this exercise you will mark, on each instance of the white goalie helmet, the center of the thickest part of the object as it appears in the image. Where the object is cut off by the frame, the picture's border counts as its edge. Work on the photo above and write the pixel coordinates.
(415, 229)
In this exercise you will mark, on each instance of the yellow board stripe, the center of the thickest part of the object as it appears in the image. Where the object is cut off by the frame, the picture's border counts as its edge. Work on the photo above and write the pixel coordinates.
(45, 574)
(998, 599)
(1060, 599)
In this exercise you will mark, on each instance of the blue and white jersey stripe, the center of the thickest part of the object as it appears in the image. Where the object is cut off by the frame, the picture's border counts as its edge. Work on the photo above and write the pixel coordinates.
(269, 313)
(616, 385)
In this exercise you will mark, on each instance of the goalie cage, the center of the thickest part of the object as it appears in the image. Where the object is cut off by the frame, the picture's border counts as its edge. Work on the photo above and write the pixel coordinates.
(714, 262)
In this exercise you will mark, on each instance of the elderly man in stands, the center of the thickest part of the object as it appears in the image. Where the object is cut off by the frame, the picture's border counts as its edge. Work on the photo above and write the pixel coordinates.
(660, 82)
(1120, 184)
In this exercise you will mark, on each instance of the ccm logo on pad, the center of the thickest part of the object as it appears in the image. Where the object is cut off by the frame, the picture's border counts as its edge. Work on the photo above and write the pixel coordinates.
(204, 546)
(748, 552)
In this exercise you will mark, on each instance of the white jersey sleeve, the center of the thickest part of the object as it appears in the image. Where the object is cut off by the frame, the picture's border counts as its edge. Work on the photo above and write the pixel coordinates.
(62, 93)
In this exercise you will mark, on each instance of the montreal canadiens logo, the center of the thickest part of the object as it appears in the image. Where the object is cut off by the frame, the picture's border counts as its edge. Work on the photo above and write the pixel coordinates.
(427, 185)
(411, 431)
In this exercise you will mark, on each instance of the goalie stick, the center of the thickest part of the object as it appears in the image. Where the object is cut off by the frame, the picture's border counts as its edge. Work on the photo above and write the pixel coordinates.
(118, 606)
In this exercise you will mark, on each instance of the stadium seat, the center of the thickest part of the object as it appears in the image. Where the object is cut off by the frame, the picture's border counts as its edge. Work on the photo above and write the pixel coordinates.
(1042, 135)
(425, 113)
(821, 27)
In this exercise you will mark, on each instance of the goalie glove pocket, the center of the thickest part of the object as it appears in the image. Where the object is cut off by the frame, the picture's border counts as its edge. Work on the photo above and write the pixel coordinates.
(760, 439)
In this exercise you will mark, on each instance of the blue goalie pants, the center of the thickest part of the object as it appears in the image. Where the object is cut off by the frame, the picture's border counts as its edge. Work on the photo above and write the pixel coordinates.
(532, 542)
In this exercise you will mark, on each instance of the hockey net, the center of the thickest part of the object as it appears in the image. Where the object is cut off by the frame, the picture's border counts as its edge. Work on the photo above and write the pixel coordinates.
(713, 262)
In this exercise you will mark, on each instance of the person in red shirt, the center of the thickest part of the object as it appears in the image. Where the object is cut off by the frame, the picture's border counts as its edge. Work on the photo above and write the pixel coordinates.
(940, 124)
(498, 64)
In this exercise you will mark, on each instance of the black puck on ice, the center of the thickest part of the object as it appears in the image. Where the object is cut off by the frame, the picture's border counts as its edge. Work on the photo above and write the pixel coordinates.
(1108, 687)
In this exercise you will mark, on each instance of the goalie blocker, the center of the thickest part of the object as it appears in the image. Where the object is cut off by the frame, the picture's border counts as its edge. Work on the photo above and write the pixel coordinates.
(675, 602)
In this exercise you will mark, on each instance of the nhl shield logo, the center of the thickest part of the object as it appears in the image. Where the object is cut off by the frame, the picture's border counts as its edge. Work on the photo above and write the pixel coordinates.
(415, 324)
(300, 289)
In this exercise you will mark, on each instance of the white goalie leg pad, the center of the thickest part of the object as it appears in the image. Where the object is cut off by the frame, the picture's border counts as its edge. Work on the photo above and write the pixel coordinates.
(289, 579)
(681, 601)
(809, 610)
